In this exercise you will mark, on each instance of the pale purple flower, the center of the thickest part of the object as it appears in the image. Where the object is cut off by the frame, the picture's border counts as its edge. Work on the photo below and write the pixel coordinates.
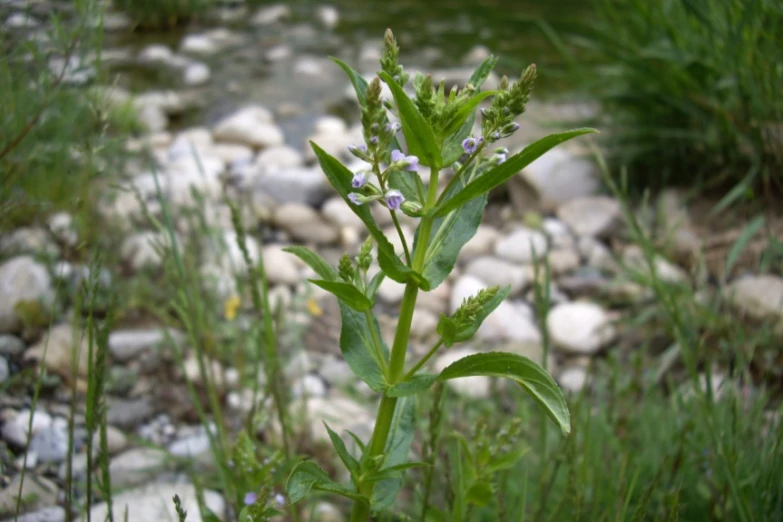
(409, 163)
(250, 498)
(498, 158)
(359, 179)
(495, 136)
(470, 144)
(393, 127)
(374, 140)
(394, 199)
(280, 499)
(353, 149)
(353, 197)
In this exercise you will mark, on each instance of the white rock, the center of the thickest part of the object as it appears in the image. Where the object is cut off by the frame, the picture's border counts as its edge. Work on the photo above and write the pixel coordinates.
(337, 372)
(334, 143)
(251, 126)
(279, 157)
(595, 216)
(563, 260)
(22, 279)
(423, 324)
(326, 512)
(156, 53)
(47, 514)
(338, 212)
(573, 379)
(15, 429)
(225, 252)
(191, 446)
(281, 267)
(198, 44)
(232, 153)
(473, 387)
(294, 185)
(136, 466)
(271, 14)
(520, 244)
(328, 15)
(61, 225)
(304, 224)
(559, 176)
(329, 124)
(341, 413)
(195, 74)
(144, 249)
(58, 346)
(126, 345)
(580, 327)
(28, 240)
(496, 272)
(390, 291)
(153, 502)
(5, 371)
(279, 53)
(309, 386)
(153, 119)
(21, 21)
(633, 257)
(759, 296)
(116, 441)
(50, 444)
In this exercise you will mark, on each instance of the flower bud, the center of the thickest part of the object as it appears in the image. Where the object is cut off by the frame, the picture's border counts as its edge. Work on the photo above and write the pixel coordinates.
(412, 208)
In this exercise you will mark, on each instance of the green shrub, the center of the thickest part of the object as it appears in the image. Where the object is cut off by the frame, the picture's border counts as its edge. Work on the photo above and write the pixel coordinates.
(691, 89)
(163, 13)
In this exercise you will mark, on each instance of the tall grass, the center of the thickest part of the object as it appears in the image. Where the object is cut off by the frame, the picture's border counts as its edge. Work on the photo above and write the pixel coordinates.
(690, 88)
(163, 13)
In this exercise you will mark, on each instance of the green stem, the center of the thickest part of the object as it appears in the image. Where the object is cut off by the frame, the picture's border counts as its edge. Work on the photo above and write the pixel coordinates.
(383, 421)
(423, 360)
(402, 237)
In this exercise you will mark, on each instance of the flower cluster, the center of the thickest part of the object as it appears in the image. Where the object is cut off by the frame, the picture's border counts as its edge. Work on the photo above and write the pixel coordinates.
(510, 101)
(392, 198)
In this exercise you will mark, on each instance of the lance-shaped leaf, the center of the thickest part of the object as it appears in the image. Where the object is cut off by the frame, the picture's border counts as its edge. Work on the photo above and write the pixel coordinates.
(395, 471)
(413, 386)
(418, 133)
(314, 261)
(342, 451)
(357, 80)
(340, 178)
(498, 175)
(456, 329)
(347, 293)
(357, 347)
(408, 183)
(397, 448)
(481, 73)
(307, 476)
(374, 285)
(449, 234)
(529, 375)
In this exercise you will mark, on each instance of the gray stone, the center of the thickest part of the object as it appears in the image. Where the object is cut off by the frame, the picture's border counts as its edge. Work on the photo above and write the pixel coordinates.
(129, 413)
(116, 441)
(496, 272)
(55, 350)
(279, 157)
(5, 371)
(481, 243)
(153, 502)
(573, 379)
(634, 259)
(304, 224)
(51, 443)
(341, 413)
(37, 492)
(10, 345)
(328, 15)
(144, 249)
(338, 212)
(563, 260)
(271, 14)
(336, 372)
(559, 176)
(308, 386)
(580, 327)
(759, 296)
(136, 466)
(476, 387)
(281, 267)
(423, 324)
(326, 512)
(125, 345)
(22, 279)
(252, 126)
(595, 216)
(15, 428)
(198, 44)
(294, 185)
(520, 244)
(48, 514)
(191, 446)
(28, 240)
(195, 74)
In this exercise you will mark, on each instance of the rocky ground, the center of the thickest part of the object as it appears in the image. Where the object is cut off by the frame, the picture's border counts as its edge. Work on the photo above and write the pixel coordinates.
(554, 206)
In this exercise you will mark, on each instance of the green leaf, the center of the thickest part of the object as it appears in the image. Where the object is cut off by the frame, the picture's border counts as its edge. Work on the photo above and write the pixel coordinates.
(507, 169)
(395, 471)
(413, 386)
(357, 440)
(452, 147)
(741, 243)
(451, 333)
(350, 462)
(307, 476)
(409, 183)
(356, 345)
(533, 379)
(481, 73)
(465, 110)
(374, 285)
(506, 460)
(418, 133)
(357, 80)
(340, 178)
(397, 448)
(480, 493)
(314, 261)
(346, 293)
(449, 234)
